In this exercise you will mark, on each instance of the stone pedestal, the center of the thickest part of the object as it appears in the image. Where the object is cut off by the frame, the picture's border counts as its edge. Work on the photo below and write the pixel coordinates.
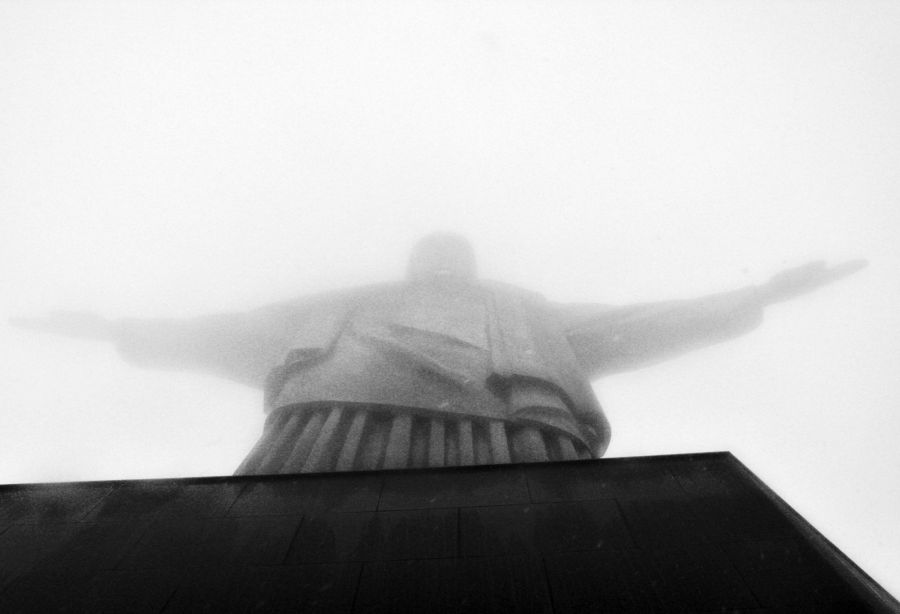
(688, 533)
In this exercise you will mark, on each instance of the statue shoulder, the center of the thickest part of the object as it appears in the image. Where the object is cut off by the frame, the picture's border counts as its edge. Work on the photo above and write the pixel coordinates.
(341, 298)
(509, 291)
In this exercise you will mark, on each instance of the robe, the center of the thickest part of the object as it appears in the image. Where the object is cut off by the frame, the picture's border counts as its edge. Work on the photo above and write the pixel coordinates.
(406, 375)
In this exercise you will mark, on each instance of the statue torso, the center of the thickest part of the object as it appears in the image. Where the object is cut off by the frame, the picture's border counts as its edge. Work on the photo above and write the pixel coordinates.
(423, 347)
(480, 351)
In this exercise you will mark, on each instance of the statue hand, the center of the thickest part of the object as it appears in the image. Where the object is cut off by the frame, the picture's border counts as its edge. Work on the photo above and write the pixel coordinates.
(81, 324)
(806, 278)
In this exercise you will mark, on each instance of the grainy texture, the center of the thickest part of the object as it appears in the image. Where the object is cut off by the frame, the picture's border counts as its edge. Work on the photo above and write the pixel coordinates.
(658, 534)
(367, 438)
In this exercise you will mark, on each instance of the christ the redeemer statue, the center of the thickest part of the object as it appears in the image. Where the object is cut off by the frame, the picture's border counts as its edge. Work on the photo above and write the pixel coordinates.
(442, 369)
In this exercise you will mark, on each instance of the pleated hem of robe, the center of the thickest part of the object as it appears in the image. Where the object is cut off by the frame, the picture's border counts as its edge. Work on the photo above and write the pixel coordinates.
(315, 439)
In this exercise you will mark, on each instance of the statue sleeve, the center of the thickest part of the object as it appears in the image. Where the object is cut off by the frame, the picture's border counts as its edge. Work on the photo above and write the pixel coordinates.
(238, 346)
(608, 339)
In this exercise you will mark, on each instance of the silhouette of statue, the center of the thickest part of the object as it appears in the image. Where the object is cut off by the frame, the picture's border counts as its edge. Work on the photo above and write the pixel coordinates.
(442, 369)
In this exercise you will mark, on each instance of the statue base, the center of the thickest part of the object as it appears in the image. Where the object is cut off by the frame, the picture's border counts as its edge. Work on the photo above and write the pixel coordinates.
(685, 533)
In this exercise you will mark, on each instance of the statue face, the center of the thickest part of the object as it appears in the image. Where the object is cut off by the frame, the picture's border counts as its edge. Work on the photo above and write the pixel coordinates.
(442, 256)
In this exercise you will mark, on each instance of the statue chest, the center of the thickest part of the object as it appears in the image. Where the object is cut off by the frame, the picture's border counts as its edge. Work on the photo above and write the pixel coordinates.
(428, 318)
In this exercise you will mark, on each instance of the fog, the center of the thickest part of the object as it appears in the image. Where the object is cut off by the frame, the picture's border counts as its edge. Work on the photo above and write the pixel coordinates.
(175, 159)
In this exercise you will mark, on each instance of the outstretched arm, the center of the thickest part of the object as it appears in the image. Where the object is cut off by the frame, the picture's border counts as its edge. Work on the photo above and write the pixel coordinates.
(79, 324)
(611, 339)
(806, 278)
(237, 346)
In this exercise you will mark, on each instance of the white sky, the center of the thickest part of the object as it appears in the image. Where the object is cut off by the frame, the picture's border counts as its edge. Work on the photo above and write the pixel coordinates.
(178, 158)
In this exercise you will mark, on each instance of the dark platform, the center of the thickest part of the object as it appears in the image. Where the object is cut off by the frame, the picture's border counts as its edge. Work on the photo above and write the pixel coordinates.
(695, 533)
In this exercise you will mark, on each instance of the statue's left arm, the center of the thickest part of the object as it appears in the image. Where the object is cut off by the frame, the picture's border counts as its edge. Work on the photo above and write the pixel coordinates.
(609, 339)
(239, 346)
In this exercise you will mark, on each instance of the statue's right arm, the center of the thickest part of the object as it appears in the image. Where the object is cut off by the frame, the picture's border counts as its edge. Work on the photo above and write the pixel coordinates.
(609, 339)
(238, 346)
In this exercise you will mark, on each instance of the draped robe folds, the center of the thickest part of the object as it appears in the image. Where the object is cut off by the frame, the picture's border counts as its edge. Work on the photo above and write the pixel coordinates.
(483, 358)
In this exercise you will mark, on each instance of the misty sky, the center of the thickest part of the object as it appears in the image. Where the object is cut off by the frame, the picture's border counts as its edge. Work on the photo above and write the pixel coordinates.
(181, 158)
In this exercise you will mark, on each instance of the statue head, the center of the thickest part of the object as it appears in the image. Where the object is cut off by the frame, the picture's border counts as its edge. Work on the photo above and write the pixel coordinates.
(442, 256)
